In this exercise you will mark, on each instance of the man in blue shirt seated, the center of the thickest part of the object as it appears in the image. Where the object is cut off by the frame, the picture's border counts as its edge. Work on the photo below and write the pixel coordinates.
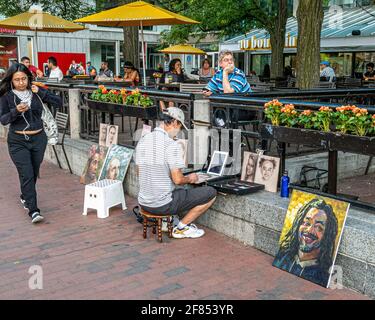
(228, 79)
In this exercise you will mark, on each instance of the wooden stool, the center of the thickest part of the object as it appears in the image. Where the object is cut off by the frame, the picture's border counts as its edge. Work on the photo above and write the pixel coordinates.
(158, 221)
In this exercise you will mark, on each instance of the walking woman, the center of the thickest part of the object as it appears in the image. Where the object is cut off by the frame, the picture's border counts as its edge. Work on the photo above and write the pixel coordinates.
(21, 107)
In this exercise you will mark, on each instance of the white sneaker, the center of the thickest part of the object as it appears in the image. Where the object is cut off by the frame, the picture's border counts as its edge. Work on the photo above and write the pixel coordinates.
(190, 231)
(36, 217)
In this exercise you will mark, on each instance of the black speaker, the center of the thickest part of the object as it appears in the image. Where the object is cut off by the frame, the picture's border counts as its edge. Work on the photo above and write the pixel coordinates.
(356, 32)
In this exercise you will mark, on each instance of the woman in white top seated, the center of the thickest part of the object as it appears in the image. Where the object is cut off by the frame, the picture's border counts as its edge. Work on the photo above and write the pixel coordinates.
(206, 71)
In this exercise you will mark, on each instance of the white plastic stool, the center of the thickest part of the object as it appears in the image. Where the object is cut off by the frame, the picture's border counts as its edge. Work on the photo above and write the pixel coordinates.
(103, 195)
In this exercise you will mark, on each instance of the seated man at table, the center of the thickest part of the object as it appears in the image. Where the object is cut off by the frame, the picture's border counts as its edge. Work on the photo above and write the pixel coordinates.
(159, 161)
(104, 72)
(370, 74)
(34, 70)
(228, 79)
(326, 72)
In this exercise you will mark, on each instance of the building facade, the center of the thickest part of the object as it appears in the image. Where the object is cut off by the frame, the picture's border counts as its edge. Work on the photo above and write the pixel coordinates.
(347, 41)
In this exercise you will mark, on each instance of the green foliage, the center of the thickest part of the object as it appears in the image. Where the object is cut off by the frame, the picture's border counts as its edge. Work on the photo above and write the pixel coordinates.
(225, 17)
(66, 9)
(306, 119)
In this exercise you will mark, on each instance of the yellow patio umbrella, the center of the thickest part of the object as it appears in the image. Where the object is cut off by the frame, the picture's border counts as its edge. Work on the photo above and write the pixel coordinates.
(183, 49)
(137, 13)
(37, 20)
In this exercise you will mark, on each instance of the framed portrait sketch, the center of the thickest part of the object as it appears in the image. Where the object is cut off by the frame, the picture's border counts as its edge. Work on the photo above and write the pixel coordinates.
(311, 236)
(267, 172)
(116, 163)
(103, 134)
(112, 135)
(249, 166)
(96, 157)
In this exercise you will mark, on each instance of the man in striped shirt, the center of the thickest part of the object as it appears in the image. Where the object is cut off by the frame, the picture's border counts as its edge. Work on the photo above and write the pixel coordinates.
(228, 79)
(159, 162)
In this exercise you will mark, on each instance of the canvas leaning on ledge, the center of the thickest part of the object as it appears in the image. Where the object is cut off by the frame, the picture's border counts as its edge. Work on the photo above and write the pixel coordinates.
(249, 166)
(311, 236)
(267, 172)
(103, 134)
(116, 163)
(96, 156)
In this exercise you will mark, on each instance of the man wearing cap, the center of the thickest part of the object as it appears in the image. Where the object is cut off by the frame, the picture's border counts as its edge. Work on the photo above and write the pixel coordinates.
(159, 162)
(327, 72)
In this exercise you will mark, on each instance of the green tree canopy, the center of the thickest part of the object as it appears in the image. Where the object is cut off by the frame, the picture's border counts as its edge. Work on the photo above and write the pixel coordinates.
(226, 17)
(66, 9)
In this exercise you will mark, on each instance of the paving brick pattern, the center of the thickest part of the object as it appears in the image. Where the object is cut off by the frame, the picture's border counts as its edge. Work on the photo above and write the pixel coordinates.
(86, 258)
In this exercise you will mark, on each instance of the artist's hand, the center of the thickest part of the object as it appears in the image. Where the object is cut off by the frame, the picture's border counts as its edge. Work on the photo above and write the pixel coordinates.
(193, 178)
(22, 107)
(229, 69)
(34, 88)
(207, 93)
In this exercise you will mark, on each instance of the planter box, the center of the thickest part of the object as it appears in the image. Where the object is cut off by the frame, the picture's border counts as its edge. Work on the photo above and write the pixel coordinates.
(328, 140)
(353, 144)
(295, 135)
(148, 113)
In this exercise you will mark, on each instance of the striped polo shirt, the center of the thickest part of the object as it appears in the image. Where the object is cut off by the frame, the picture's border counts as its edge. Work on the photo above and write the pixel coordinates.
(156, 155)
(237, 80)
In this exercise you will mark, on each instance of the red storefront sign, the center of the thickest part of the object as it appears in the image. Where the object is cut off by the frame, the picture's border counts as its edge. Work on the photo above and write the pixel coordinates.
(63, 59)
(8, 31)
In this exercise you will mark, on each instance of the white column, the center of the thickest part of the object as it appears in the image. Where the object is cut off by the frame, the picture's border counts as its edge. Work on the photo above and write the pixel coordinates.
(74, 114)
(117, 59)
(200, 134)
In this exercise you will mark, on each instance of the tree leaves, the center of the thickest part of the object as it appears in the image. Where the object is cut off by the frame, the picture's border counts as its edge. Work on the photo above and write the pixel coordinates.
(66, 9)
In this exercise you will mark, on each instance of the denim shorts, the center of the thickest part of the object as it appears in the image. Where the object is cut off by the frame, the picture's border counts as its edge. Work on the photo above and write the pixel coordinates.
(184, 200)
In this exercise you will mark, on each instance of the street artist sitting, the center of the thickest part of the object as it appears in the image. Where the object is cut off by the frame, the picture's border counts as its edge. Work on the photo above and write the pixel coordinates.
(159, 162)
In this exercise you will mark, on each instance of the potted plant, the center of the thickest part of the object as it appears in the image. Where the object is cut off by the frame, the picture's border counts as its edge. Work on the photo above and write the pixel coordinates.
(272, 111)
(157, 76)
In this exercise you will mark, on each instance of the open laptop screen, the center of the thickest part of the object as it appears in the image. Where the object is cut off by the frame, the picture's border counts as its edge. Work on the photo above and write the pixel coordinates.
(218, 162)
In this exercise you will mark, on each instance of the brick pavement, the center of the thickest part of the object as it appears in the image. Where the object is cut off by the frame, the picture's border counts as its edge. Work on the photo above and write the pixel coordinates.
(87, 258)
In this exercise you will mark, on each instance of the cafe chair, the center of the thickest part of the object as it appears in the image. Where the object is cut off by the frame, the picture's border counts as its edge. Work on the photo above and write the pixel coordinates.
(62, 120)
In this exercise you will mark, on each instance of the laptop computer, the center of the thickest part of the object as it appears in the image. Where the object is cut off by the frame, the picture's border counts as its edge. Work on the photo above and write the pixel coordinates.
(215, 169)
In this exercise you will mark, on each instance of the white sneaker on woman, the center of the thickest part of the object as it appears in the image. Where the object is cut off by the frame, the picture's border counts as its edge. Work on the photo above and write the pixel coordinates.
(189, 231)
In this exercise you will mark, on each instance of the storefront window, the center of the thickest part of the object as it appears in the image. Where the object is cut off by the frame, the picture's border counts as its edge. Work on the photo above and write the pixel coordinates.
(291, 60)
(361, 60)
(340, 62)
(239, 58)
(259, 61)
(100, 51)
(8, 52)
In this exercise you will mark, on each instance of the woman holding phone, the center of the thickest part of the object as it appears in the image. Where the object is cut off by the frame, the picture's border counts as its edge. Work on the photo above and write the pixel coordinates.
(21, 106)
